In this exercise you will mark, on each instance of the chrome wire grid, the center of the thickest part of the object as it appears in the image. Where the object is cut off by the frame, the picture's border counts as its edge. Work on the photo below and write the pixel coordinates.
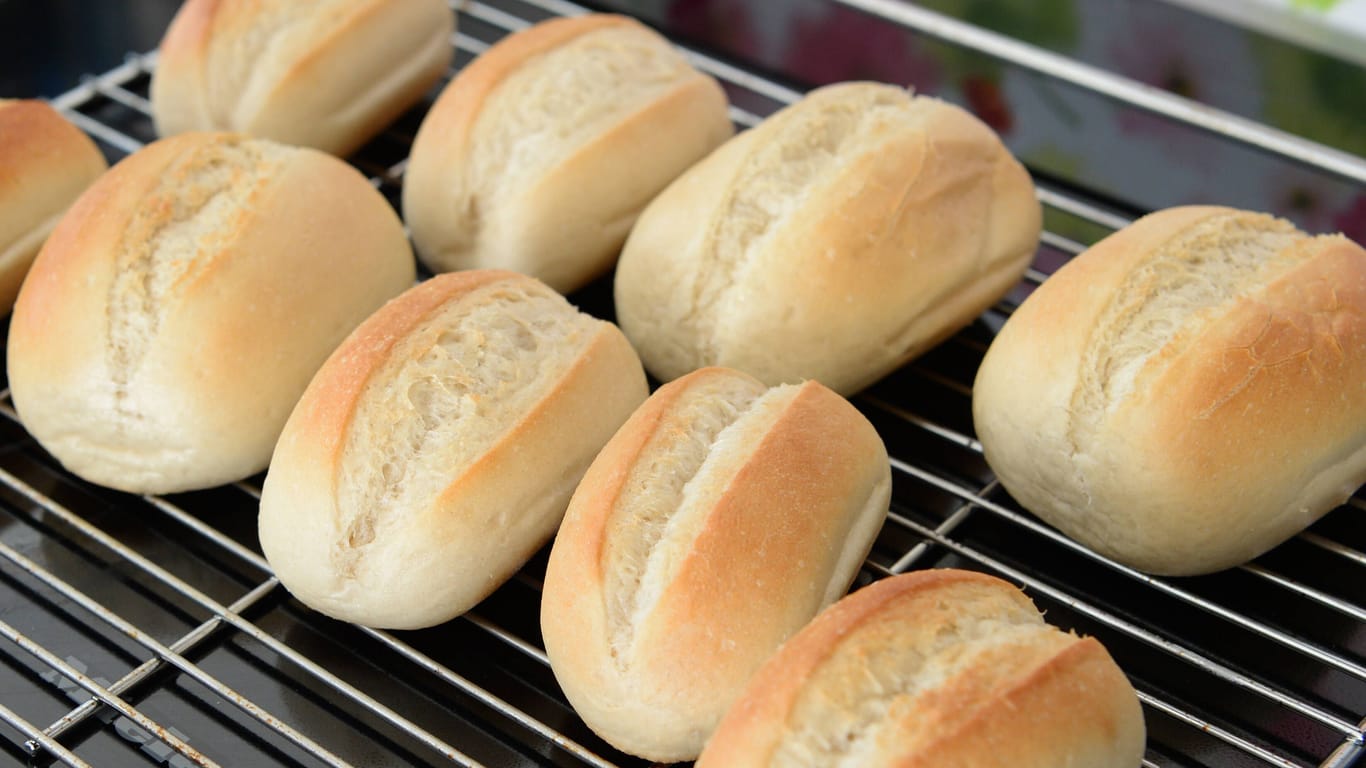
(150, 630)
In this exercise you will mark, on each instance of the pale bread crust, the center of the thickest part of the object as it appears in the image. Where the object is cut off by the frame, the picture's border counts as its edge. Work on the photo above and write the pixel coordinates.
(563, 222)
(45, 164)
(1064, 703)
(331, 88)
(1240, 432)
(238, 340)
(442, 559)
(783, 540)
(924, 222)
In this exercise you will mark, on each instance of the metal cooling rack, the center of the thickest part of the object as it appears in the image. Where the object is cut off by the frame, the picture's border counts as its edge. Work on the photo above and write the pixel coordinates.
(149, 630)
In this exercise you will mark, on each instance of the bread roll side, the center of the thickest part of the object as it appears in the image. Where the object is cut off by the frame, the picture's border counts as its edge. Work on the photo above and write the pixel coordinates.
(434, 189)
(927, 224)
(299, 522)
(426, 561)
(325, 75)
(933, 668)
(45, 164)
(657, 276)
(1218, 426)
(571, 224)
(350, 84)
(1249, 433)
(202, 335)
(568, 129)
(756, 548)
(179, 92)
(843, 236)
(57, 359)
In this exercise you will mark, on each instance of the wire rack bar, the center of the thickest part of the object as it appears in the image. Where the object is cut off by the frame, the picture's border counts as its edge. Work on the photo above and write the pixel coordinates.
(450, 677)
(1346, 754)
(1041, 587)
(1325, 543)
(403, 649)
(527, 649)
(183, 645)
(246, 627)
(114, 85)
(944, 381)
(117, 92)
(775, 91)
(115, 138)
(1228, 737)
(1117, 87)
(945, 528)
(1080, 208)
(1172, 648)
(167, 655)
(474, 45)
(133, 66)
(103, 694)
(1310, 593)
(1257, 627)
(1065, 244)
(31, 731)
(951, 435)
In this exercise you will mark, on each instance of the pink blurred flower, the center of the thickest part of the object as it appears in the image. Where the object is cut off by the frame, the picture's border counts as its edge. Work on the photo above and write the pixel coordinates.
(988, 102)
(1316, 203)
(1180, 59)
(839, 44)
(1351, 221)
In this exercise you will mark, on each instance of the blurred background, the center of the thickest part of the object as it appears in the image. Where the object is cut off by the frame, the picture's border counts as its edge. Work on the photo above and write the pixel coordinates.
(1299, 65)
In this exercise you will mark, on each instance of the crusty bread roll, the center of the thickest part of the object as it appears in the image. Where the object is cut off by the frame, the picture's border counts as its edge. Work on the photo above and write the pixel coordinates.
(182, 304)
(718, 521)
(437, 448)
(932, 669)
(540, 154)
(1187, 393)
(45, 164)
(327, 74)
(843, 236)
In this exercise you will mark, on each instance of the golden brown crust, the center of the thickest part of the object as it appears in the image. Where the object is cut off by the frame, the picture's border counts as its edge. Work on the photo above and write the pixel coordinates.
(356, 65)
(330, 401)
(539, 155)
(45, 164)
(781, 539)
(1043, 699)
(848, 267)
(179, 87)
(1076, 709)
(145, 391)
(430, 560)
(452, 117)
(755, 537)
(1244, 422)
(747, 734)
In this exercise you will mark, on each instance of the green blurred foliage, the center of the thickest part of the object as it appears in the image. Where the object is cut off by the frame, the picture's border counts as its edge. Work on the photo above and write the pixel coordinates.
(1313, 95)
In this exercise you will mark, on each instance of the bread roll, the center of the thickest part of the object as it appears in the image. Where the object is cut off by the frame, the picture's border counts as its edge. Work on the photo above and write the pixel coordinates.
(540, 154)
(45, 164)
(182, 304)
(1187, 393)
(437, 448)
(840, 238)
(327, 74)
(718, 521)
(932, 669)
